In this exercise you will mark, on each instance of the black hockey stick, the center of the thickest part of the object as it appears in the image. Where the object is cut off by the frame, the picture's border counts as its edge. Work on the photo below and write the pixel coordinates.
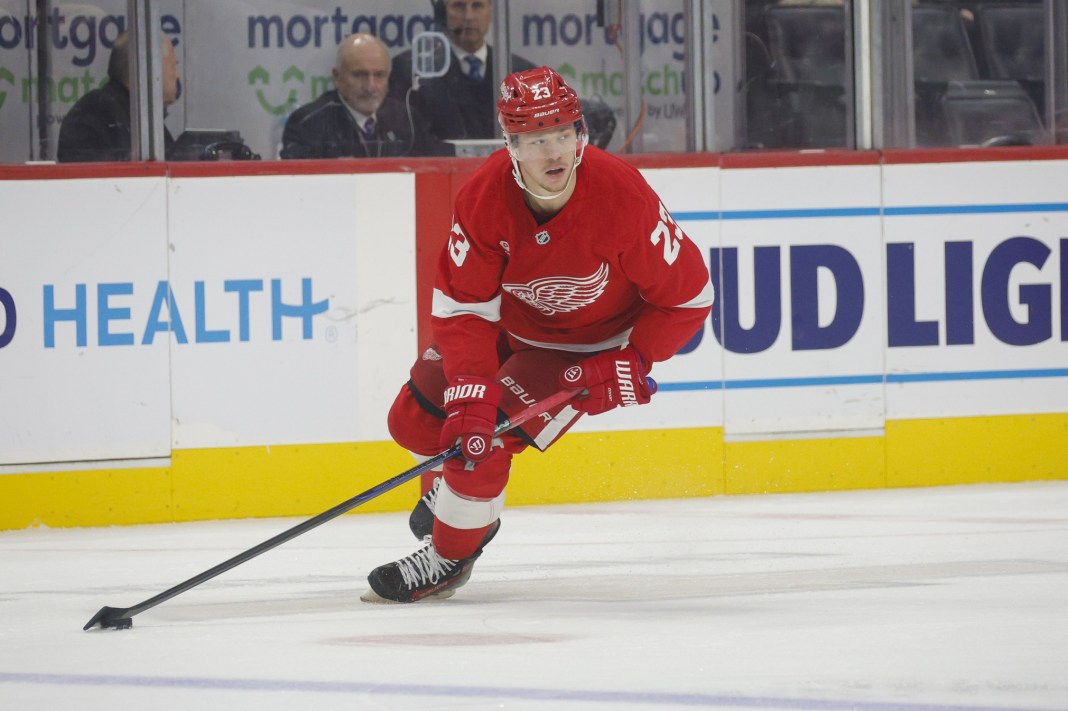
(122, 617)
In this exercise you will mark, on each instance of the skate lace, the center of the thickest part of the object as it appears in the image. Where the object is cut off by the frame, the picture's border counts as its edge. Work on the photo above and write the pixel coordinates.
(430, 498)
(424, 566)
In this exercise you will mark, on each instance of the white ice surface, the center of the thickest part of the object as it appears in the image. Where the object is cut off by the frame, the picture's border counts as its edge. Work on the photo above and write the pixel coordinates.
(946, 598)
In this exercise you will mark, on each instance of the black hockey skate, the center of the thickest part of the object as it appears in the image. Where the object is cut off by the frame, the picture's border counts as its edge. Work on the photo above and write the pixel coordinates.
(423, 574)
(421, 520)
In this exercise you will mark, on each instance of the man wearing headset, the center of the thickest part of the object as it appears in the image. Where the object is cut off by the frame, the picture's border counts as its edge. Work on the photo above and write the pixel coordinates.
(460, 104)
(563, 270)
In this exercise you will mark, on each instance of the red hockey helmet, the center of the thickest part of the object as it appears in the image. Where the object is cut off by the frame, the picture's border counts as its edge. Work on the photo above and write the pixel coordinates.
(535, 100)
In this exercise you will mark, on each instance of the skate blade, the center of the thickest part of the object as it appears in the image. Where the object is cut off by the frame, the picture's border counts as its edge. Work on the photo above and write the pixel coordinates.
(374, 598)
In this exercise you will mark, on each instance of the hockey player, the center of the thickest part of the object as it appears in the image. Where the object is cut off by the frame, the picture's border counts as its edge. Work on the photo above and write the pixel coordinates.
(563, 269)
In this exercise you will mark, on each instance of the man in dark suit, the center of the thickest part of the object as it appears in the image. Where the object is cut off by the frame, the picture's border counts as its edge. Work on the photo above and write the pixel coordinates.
(97, 128)
(357, 119)
(461, 104)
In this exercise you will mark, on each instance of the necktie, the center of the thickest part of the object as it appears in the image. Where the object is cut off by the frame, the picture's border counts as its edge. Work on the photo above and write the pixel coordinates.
(369, 128)
(474, 68)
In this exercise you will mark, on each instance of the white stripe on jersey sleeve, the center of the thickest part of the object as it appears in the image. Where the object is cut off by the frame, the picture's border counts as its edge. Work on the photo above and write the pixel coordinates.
(705, 298)
(444, 307)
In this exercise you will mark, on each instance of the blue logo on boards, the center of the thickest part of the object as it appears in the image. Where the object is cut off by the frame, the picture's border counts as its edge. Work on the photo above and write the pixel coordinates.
(999, 293)
(7, 310)
(244, 306)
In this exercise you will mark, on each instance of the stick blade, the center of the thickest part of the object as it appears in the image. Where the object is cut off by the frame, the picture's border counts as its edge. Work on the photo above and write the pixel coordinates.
(113, 617)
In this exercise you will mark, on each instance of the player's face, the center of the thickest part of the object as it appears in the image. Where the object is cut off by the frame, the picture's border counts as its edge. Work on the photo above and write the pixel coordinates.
(362, 77)
(468, 22)
(546, 157)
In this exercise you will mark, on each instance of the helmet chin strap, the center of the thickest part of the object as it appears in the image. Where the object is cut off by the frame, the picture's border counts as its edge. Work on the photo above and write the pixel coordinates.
(517, 174)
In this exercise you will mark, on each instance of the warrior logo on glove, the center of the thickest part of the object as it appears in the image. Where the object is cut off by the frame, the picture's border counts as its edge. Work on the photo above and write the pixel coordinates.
(625, 380)
(470, 390)
(475, 447)
(613, 379)
(470, 404)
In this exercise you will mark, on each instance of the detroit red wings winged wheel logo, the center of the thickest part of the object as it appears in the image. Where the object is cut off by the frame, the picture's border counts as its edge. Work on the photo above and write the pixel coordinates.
(561, 294)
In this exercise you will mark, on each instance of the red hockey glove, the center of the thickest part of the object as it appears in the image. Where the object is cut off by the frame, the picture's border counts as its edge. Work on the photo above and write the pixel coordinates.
(613, 379)
(471, 415)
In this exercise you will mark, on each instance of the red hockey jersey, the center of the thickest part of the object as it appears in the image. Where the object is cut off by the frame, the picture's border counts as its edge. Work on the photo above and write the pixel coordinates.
(610, 268)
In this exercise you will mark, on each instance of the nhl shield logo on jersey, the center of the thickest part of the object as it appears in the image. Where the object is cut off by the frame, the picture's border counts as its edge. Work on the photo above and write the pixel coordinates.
(542, 237)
